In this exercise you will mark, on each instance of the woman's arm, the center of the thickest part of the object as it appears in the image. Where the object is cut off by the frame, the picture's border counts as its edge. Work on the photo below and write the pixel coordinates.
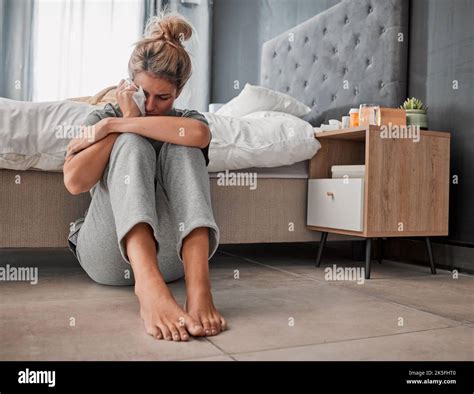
(84, 170)
(87, 157)
(177, 130)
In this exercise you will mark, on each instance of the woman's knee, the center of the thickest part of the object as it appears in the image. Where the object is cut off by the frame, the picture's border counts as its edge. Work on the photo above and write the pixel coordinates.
(130, 151)
(181, 153)
(188, 150)
(130, 138)
(131, 142)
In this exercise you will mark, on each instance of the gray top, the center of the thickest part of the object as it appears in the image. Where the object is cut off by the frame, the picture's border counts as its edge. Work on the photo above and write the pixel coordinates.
(113, 111)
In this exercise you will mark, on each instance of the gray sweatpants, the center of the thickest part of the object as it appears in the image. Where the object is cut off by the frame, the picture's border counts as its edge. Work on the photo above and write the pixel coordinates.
(145, 181)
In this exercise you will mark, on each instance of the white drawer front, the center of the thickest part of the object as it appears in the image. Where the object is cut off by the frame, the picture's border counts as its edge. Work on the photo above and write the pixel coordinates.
(336, 203)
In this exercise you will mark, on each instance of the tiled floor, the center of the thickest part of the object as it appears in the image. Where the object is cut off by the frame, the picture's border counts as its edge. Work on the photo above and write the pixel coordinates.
(278, 305)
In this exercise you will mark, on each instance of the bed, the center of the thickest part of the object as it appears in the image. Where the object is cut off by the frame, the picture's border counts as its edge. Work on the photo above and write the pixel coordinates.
(356, 41)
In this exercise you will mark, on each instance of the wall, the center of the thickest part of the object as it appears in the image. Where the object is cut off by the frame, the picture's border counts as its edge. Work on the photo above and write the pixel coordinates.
(442, 51)
(240, 27)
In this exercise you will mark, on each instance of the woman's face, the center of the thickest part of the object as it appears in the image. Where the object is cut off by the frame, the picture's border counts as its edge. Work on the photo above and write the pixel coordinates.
(160, 93)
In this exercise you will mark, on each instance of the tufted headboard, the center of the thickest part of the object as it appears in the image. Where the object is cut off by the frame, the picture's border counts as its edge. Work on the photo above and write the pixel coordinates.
(354, 52)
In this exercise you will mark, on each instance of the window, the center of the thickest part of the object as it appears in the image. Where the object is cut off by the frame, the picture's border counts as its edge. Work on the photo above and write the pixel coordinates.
(82, 46)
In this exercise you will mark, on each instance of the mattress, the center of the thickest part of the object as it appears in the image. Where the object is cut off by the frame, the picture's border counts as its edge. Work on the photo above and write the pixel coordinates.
(242, 214)
(297, 170)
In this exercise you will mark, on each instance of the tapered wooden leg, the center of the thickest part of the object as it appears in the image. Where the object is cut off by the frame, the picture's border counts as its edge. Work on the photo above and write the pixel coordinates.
(322, 243)
(368, 257)
(430, 255)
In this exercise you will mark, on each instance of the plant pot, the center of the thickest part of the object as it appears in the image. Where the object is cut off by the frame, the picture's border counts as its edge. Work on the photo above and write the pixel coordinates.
(417, 117)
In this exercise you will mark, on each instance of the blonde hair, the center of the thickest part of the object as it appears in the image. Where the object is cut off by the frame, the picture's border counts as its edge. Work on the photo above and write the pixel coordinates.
(161, 51)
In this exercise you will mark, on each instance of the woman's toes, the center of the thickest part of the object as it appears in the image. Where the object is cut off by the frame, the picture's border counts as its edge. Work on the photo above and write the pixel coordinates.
(207, 327)
(174, 333)
(183, 333)
(215, 327)
(223, 324)
(158, 335)
(165, 331)
(194, 327)
(151, 329)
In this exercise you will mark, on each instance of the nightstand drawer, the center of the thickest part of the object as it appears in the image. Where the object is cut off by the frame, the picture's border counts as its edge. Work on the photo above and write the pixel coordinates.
(336, 203)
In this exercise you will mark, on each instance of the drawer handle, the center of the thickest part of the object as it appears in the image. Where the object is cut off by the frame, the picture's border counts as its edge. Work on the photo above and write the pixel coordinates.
(330, 194)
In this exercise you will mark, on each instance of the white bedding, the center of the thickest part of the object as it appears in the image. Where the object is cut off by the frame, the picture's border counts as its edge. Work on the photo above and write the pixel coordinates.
(35, 136)
(261, 139)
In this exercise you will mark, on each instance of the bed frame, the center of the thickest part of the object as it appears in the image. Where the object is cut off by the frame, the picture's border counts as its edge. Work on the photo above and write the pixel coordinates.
(363, 42)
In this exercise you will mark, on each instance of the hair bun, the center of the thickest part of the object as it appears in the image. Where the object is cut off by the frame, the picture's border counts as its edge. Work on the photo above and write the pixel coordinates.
(169, 27)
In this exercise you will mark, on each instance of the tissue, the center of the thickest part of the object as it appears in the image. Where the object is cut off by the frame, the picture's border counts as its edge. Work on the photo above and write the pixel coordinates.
(138, 97)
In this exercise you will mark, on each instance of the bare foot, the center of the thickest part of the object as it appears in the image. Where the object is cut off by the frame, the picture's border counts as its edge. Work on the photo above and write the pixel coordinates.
(200, 306)
(163, 317)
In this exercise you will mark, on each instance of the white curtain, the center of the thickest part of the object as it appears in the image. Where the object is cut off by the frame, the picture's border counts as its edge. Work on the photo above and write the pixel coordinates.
(16, 34)
(82, 46)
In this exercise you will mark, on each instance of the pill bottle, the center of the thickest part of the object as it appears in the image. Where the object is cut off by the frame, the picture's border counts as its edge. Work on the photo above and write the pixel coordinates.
(354, 117)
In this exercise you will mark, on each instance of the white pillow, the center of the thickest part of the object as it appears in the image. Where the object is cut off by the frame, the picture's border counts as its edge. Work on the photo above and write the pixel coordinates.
(270, 141)
(267, 114)
(257, 98)
(35, 135)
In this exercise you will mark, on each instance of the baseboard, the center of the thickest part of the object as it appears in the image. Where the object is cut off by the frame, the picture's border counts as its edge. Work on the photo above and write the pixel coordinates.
(446, 256)
(412, 251)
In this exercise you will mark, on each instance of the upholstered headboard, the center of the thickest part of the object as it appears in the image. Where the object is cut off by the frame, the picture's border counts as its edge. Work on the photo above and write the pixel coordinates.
(354, 52)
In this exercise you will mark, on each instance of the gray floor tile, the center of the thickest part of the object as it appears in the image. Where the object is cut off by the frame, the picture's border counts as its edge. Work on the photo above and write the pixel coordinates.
(103, 330)
(439, 294)
(449, 344)
(407, 284)
(275, 283)
(262, 319)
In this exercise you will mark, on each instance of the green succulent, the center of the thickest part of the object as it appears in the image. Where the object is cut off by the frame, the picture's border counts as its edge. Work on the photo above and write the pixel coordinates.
(413, 103)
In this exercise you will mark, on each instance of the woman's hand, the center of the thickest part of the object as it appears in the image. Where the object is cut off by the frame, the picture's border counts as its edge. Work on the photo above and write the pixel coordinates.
(89, 136)
(123, 95)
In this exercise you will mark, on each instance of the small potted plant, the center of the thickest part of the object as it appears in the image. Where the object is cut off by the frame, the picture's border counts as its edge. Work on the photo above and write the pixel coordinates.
(416, 113)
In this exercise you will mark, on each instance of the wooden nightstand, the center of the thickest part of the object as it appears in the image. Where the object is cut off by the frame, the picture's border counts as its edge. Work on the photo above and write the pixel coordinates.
(405, 191)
